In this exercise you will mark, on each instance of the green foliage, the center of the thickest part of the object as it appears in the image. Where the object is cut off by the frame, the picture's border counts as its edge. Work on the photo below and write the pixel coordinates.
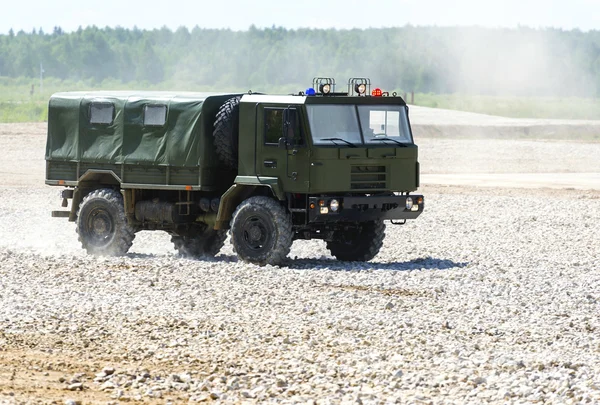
(424, 59)
(512, 72)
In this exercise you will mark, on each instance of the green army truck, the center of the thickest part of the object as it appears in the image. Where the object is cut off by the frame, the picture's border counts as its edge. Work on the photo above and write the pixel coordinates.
(268, 169)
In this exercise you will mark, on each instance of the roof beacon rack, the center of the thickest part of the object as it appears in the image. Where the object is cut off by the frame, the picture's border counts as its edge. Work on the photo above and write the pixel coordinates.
(324, 85)
(359, 86)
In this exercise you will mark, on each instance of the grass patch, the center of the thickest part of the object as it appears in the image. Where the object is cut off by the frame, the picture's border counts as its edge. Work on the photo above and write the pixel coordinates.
(19, 104)
(32, 111)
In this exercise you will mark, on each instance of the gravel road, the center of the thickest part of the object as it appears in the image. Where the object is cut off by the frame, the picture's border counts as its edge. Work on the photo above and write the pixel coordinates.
(491, 296)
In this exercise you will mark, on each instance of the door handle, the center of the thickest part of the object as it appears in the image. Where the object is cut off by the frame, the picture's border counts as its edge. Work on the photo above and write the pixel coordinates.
(272, 164)
(352, 156)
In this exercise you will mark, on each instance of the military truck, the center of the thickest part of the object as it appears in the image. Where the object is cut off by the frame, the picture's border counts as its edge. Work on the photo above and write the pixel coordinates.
(268, 169)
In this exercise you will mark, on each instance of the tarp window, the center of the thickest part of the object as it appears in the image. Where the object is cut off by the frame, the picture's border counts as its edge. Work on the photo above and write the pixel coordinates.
(102, 113)
(155, 115)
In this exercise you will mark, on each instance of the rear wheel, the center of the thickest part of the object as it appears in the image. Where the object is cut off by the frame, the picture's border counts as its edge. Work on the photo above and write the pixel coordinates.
(261, 231)
(102, 225)
(207, 244)
(360, 245)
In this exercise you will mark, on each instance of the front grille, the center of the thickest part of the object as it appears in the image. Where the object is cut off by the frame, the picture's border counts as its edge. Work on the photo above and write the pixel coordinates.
(368, 178)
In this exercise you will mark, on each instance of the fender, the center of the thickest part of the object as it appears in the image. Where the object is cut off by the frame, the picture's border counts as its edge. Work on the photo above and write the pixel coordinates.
(244, 187)
(100, 177)
(90, 181)
(263, 181)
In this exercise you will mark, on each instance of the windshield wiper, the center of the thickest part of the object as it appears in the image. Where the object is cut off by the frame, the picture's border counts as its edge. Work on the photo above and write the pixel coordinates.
(389, 139)
(339, 139)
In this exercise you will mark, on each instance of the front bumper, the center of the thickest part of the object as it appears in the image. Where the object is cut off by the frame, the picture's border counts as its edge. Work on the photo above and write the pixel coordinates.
(367, 208)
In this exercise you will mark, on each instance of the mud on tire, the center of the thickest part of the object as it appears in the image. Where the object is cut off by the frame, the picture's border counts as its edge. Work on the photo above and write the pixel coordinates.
(102, 225)
(226, 131)
(261, 231)
(359, 245)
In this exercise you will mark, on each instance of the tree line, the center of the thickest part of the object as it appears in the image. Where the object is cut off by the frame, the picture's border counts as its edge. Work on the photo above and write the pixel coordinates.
(522, 61)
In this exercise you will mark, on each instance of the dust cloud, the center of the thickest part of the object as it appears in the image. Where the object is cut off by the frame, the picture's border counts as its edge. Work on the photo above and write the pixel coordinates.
(443, 60)
(521, 62)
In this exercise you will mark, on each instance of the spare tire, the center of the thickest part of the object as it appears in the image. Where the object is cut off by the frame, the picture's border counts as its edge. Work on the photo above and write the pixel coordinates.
(227, 125)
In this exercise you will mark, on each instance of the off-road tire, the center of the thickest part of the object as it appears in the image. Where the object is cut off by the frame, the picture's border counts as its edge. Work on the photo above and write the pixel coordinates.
(358, 246)
(261, 231)
(102, 225)
(225, 134)
(207, 244)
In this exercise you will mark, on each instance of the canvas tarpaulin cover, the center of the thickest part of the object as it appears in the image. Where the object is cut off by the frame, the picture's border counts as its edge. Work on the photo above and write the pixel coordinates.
(79, 131)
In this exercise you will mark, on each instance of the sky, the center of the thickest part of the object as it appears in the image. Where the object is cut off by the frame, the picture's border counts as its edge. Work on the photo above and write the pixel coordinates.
(342, 14)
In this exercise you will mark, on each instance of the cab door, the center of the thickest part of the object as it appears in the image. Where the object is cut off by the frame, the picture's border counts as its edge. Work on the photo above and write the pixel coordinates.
(282, 150)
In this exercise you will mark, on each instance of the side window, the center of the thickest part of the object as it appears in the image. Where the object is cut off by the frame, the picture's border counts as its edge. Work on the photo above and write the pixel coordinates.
(102, 113)
(155, 115)
(273, 125)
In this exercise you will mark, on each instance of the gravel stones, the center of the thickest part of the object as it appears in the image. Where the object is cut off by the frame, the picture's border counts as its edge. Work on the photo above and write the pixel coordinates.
(502, 308)
(75, 387)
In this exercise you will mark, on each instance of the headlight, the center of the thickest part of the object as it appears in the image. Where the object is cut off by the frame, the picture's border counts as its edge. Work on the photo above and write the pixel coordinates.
(409, 203)
(334, 205)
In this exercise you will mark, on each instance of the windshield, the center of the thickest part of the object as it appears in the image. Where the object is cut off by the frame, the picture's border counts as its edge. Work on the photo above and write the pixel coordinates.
(340, 125)
(333, 121)
(382, 121)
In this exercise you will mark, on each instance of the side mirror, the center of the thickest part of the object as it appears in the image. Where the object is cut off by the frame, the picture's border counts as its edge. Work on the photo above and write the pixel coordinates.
(283, 144)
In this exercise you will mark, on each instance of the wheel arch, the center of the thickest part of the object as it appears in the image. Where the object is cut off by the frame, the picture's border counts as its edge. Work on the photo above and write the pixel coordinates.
(92, 180)
(238, 193)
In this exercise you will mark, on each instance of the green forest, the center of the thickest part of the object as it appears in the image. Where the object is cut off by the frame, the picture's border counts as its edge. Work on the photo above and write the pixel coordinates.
(423, 59)
(459, 61)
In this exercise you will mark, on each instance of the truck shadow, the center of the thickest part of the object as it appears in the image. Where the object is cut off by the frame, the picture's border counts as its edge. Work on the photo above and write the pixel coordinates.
(322, 263)
(422, 263)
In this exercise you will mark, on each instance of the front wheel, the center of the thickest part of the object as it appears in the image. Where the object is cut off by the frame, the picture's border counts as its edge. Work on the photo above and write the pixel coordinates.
(358, 245)
(101, 224)
(261, 231)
